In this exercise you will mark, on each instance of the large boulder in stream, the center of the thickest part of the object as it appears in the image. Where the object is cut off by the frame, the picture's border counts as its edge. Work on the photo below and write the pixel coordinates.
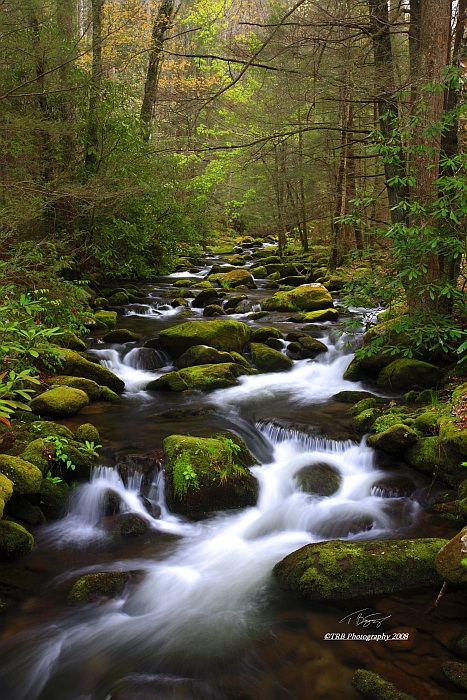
(342, 570)
(267, 359)
(200, 378)
(224, 335)
(208, 474)
(234, 279)
(60, 402)
(407, 374)
(15, 540)
(307, 297)
(202, 355)
(77, 366)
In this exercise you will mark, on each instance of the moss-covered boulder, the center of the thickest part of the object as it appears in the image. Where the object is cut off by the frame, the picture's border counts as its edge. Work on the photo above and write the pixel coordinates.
(208, 474)
(15, 540)
(87, 432)
(451, 560)
(26, 477)
(261, 335)
(319, 479)
(267, 359)
(453, 435)
(120, 335)
(221, 334)
(234, 279)
(374, 687)
(23, 511)
(342, 570)
(106, 319)
(410, 374)
(394, 439)
(202, 355)
(76, 365)
(429, 456)
(39, 452)
(426, 423)
(60, 402)
(93, 587)
(53, 498)
(6, 490)
(212, 310)
(130, 525)
(456, 671)
(319, 316)
(307, 297)
(44, 428)
(306, 348)
(70, 340)
(364, 420)
(207, 296)
(200, 378)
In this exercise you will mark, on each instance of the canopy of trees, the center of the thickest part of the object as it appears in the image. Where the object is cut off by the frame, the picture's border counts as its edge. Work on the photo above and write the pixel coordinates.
(130, 130)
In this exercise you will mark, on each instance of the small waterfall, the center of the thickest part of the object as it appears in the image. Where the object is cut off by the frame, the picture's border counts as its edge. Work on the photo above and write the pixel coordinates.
(135, 379)
(276, 433)
(146, 359)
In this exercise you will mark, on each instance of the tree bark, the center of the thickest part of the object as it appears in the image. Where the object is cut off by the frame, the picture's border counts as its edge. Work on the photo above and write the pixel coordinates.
(92, 146)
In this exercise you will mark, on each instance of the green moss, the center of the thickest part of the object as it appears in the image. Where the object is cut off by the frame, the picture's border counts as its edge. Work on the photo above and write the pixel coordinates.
(60, 402)
(395, 439)
(407, 374)
(92, 389)
(372, 686)
(76, 365)
(453, 435)
(267, 359)
(363, 421)
(221, 334)
(234, 279)
(307, 297)
(450, 559)
(38, 451)
(387, 420)
(106, 319)
(67, 339)
(15, 540)
(6, 490)
(324, 315)
(341, 570)
(200, 378)
(121, 335)
(88, 432)
(44, 428)
(426, 423)
(260, 335)
(430, 456)
(93, 587)
(26, 477)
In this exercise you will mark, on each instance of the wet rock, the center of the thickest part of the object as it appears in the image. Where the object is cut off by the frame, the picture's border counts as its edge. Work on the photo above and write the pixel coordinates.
(223, 335)
(233, 302)
(145, 358)
(130, 525)
(6, 490)
(340, 570)
(53, 499)
(395, 486)
(77, 366)
(87, 432)
(244, 306)
(60, 402)
(202, 355)
(206, 296)
(94, 587)
(201, 378)
(430, 456)
(319, 316)
(95, 392)
(319, 479)
(308, 297)
(449, 560)
(352, 396)
(259, 272)
(26, 477)
(67, 339)
(20, 508)
(106, 319)
(267, 359)
(374, 687)
(212, 310)
(234, 279)
(363, 421)
(409, 374)
(15, 540)
(260, 335)
(122, 335)
(394, 440)
(275, 344)
(208, 474)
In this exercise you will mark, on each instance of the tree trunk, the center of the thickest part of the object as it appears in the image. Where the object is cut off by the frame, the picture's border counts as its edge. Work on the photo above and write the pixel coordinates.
(92, 147)
(162, 24)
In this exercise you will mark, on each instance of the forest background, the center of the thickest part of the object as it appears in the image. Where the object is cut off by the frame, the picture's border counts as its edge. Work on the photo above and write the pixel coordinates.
(133, 132)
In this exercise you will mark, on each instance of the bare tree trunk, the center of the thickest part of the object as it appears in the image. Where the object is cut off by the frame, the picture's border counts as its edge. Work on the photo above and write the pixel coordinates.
(92, 147)
(279, 192)
(162, 24)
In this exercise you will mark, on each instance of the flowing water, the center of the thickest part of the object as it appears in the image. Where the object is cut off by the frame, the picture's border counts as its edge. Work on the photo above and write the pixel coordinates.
(203, 619)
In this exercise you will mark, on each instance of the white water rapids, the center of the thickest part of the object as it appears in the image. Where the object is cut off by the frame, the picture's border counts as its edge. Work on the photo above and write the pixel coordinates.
(203, 599)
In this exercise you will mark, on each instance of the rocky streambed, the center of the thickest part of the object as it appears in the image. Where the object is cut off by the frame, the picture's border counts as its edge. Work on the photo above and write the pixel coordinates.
(236, 536)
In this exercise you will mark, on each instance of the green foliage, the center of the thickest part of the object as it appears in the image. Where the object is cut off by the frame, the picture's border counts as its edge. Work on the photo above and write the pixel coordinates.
(184, 476)
(60, 453)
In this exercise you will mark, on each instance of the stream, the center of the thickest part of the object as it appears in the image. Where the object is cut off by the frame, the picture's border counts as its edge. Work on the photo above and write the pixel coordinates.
(203, 618)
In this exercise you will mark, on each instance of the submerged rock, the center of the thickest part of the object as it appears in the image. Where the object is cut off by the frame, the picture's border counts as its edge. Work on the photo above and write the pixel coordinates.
(208, 474)
(341, 570)
(221, 334)
(93, 587)
(319, 479)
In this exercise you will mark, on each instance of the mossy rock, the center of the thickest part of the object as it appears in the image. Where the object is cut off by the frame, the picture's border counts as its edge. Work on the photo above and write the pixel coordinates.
(450, 558)
(430, 456)
(21, 509)
(87, 432)
(6, 490)
(26, 477)
(208, 474)
(60, 402)
(260, 272)
(106, 319)
(119, 299)
(120, 335)
(95, 392)
(353, 396)
(130, 525)
(426, 423)
(260, 335)
(319, 316)
(77, 366)
(456, 671)
(267, 359)
(221, 334)
(15, 540)
(394, 439)
(355, 372)
(93, 587)
(307, 297)
(372, 686)
(234, 279)
(70, 340)
(234, 301)
(44, 428)
(204, 284)
(363, 421)
(240, 360)
(453, 436)
(341, 570)
(309, 348)
(409, 374)
(212, 310)
(292, 281)
(202, 355)
(53, 499)
(319, 479)
(207, 296)
(38, 451)
(200, 378)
